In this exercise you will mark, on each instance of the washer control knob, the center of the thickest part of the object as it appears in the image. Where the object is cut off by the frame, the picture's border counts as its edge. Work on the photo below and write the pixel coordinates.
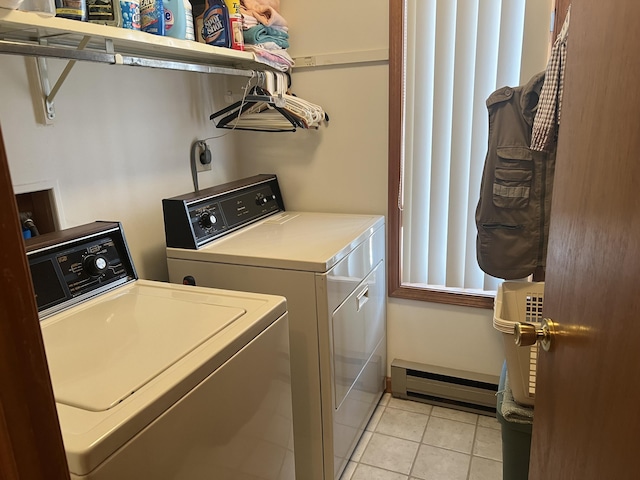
(95, 265)
(207, 220)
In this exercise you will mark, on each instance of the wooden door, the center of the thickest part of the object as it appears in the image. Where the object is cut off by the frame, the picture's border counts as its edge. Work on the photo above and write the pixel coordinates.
(30, 440)
(587, 413)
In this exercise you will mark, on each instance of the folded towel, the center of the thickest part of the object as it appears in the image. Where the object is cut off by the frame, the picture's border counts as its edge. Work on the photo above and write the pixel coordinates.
(281, 28)
(512, 411)
(249, 21)
(274, 49)
(270, 54)
(262, 34)
(268, 16)
(263, 56)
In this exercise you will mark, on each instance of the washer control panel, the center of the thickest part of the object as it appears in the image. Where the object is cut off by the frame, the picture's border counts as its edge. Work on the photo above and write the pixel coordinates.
(78, 263)
(193, 220)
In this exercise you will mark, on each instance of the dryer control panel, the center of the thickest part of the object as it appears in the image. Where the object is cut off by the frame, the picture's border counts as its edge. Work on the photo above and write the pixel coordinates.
(195, 219)
(78, 263)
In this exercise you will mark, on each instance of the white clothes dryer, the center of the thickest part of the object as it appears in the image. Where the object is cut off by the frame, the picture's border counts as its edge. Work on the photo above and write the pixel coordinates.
(160, 381)
(331, 269)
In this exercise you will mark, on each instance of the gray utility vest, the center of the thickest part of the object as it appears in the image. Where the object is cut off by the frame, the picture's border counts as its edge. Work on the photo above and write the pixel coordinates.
(512, 216)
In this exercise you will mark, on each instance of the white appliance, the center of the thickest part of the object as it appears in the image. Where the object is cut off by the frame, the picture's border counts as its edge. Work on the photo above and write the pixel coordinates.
(331, 269)
(160, 381)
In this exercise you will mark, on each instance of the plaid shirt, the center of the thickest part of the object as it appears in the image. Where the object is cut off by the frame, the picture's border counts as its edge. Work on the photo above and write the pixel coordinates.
(547, 116)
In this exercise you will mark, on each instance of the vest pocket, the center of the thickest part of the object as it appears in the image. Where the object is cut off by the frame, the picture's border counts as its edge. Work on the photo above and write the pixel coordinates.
(506, 250)
(512, 177)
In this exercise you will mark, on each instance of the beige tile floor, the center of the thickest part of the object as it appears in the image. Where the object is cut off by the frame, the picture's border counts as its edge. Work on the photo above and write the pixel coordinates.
(408, 440)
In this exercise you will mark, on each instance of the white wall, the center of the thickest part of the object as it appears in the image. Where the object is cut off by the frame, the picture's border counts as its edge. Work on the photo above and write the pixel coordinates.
(534, 51)
(120, 143)
(445, 335)
(340, 167)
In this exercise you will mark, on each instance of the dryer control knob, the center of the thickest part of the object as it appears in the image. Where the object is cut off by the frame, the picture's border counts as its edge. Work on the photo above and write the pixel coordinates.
(207, 220)
(95, 265)
(261, 199)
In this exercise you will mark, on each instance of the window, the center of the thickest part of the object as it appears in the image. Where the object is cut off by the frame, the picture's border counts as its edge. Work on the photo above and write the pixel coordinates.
(446, 58)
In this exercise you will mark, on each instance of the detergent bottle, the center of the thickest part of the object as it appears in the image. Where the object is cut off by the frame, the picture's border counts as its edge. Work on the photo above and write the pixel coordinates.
(178, 19)
(130, 11)
(215, 24)
(152, 16)
(174, 18)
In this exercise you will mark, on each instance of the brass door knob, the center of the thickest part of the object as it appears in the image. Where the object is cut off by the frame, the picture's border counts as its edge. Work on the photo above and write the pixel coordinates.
(526, 334)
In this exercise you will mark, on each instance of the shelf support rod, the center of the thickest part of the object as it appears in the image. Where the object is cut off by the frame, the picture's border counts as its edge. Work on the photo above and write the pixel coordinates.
(65, 73)
(45, 88)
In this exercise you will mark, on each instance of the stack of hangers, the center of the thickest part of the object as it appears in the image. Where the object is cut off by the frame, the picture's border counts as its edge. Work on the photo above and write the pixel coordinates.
(270, 108)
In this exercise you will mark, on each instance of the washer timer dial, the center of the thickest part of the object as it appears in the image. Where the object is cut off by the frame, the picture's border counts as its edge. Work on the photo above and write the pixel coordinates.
(95, 265)
(207, 219)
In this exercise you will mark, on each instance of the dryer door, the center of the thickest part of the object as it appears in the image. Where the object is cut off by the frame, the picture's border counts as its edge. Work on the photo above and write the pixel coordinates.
(358, 362)
(357, 328)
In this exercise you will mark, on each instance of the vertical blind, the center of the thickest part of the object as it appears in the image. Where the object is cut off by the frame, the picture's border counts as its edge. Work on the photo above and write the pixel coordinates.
(458, 53)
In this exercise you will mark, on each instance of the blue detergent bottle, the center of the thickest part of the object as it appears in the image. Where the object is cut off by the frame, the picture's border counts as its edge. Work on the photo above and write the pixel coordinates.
(152, 16)
(175, 19)
(215, 24)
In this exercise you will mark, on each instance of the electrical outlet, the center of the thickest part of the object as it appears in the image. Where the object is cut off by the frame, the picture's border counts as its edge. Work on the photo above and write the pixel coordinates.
(305, 61)
(204, 159)
(203, 167)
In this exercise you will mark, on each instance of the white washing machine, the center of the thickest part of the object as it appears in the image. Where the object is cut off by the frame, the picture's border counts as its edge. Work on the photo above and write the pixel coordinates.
(160, 381)
(331, 269)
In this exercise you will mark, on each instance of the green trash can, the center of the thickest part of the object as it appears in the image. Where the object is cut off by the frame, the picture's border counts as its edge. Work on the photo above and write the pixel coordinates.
(516, 440)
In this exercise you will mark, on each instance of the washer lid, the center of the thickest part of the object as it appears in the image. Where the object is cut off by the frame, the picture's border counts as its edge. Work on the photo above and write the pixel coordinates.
(103, 353)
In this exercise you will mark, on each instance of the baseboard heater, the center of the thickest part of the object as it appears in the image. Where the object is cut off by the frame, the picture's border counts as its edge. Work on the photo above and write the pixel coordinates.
(468, 391)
